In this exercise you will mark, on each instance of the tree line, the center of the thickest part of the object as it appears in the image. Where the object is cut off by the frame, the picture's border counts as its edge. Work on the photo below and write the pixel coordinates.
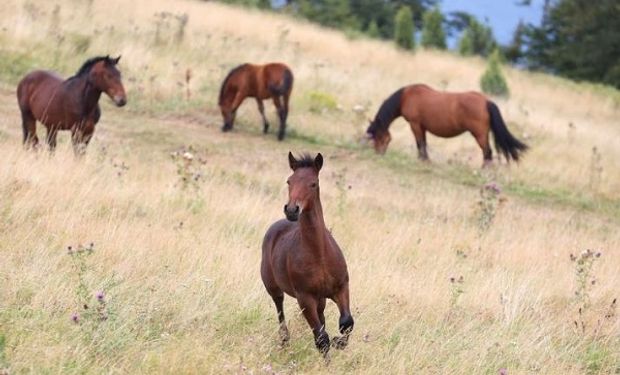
(578, 39)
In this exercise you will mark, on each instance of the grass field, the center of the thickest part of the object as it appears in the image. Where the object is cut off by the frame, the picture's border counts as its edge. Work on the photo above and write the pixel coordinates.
(443, 279)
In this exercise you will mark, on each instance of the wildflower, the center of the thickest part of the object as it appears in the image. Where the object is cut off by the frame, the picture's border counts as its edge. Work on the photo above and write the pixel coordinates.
(188, 155)
(100, 296)
(75, 318)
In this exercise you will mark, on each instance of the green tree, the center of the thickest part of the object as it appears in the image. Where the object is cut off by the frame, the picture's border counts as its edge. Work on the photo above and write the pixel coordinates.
(433, 34)
(514, 51)
(404, 30)
(492, 80)
(477, 39)
(579, 39)
(373, 29)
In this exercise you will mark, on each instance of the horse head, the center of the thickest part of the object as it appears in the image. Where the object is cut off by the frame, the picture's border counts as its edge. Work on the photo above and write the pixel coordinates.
(106, 77)
(303, 185)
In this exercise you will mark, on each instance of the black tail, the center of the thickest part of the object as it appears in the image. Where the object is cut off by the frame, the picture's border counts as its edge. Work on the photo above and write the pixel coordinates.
(287, 84)
(505, 142)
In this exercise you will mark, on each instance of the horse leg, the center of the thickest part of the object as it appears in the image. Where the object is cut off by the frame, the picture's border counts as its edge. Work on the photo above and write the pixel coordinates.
(487, 152)
(278, 299)
(345, 323)
(320, 309)
(52, 132)
(420, 139)
(282, 112)
(29, 127)
(229, 118)
(261, 109)
(309, 306)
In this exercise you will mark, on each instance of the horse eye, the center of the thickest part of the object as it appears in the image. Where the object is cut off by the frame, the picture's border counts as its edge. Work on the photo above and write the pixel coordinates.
(288, 182)
(313, 185)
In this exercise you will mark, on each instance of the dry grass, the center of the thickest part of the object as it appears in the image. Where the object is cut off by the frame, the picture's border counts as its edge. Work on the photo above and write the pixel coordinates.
(188, 298)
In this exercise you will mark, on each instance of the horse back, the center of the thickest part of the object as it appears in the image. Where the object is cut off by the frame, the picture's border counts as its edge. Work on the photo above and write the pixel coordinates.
(444, 114)
(35, 88)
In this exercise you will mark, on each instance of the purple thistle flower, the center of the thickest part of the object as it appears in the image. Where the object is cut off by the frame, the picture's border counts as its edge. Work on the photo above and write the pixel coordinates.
(100, 296)
(503, 371)
(75, 317)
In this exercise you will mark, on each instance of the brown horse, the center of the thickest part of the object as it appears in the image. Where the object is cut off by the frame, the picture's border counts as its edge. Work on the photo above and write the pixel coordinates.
(71, 104)
(302, 259)
(262, 82)
(444, 115)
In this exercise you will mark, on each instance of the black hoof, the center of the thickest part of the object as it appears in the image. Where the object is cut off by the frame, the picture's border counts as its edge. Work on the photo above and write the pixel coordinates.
(340, 342)
(226, 128)
(266, 129)
(322, 343)
(280, 136)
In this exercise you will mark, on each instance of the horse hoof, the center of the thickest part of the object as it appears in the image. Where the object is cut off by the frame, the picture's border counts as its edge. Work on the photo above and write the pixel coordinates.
(280, 136)
(322, 343)
(284, 336)
(340, 342)
(226, 128)
(266, 129)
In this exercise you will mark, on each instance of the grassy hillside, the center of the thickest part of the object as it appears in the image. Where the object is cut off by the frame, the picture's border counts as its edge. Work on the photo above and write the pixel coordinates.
(439, 284)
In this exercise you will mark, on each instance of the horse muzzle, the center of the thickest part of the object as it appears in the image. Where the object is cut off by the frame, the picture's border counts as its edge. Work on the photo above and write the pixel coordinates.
(292, 213)
(120, 101)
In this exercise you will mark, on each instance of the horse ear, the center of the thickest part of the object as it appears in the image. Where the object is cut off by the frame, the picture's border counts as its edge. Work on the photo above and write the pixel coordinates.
(291, 161)
(318, 162)
(116, 59)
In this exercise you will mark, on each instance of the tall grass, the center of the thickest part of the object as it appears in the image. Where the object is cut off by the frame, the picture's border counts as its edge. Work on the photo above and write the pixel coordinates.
(178, 264)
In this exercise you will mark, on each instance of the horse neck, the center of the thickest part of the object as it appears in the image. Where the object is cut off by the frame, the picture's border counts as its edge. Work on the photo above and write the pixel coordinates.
(85, 94)
(312, 227)
(389, 111)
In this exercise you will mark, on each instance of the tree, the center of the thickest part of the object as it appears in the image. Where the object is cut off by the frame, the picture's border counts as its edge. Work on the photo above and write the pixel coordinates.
(514, 51)
(373, 30)
(403, 33)
(477, 39)
(433, 35)
(579, 39)
(492, 80)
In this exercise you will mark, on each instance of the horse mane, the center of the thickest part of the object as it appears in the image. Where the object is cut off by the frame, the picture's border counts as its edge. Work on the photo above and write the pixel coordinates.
(306, 161)
(389, 110)
(88, 64)
(233, 71)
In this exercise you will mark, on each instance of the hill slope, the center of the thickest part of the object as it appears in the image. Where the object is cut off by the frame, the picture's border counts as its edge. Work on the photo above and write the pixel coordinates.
(179, 267)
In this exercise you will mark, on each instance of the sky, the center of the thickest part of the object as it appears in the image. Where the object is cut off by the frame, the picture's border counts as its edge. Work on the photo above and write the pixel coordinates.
(502, 15)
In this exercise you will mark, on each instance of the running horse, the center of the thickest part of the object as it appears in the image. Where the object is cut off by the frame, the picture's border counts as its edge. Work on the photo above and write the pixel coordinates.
(444, 115)
(71, 104)
(262, 82)
(302, 259)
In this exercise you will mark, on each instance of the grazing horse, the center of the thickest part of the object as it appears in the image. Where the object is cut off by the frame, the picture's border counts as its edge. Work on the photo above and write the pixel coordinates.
(262, 82)
(302, 259)
(444, 115)
(71, 104)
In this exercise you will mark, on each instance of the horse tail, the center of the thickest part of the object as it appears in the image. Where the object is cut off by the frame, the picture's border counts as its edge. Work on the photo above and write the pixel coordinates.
(288, 80)
(285, 86)
(505, 142)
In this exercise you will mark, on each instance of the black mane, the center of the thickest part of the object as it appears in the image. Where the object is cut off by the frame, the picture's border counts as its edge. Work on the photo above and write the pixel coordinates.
(306, 161)
(389, 110)
(88, 64)
(233, 71)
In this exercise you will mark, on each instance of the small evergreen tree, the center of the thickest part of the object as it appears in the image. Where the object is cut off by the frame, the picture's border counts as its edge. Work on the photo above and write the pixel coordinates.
(403, 33)
(492, 81)
(373, 29)
(477, 39)
(433, 34)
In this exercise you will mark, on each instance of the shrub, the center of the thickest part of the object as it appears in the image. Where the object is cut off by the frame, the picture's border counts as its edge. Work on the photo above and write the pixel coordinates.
(492, 81)
(404, 32)
(433, 35)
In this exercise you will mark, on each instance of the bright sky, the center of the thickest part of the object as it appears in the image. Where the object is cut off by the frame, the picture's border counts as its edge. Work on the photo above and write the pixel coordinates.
(502, 15)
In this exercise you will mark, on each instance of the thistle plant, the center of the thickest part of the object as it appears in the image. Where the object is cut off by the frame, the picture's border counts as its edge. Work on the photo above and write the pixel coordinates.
(91, 306)
(188, 163)
(585, 280)
(488, 204)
